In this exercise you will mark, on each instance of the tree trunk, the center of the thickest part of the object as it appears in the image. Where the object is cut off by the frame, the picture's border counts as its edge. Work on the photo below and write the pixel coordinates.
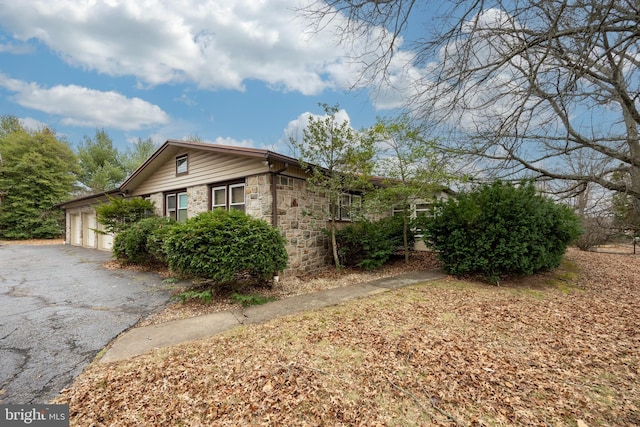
(633, 141)
(405, 238)
(334, 245)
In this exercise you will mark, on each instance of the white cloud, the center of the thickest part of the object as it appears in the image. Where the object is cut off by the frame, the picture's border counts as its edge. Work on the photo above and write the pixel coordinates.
(210, 43)
(32, 124)
(235, 142)
(295, 128)
(186, 99)
(80, 106)
(16, 48)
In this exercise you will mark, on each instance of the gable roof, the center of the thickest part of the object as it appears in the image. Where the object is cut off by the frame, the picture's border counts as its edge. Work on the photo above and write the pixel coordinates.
(172, 147)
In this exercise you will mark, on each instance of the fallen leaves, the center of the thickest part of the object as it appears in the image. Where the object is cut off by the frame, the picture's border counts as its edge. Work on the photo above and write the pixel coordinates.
(289, 286)
(443, 354)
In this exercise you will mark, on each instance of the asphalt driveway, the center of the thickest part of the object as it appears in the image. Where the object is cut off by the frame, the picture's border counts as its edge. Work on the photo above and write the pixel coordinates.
(58, 308)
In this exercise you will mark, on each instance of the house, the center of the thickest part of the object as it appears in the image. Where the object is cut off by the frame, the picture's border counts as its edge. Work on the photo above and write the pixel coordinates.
(186, 178)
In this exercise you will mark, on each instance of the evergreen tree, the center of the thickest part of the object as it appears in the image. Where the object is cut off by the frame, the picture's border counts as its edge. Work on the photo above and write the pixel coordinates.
(141, 151)
(499, 229)
(37, 170)
(100, 163)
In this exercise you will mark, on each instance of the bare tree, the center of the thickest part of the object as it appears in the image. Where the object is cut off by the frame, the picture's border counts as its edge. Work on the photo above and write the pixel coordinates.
(527, 85)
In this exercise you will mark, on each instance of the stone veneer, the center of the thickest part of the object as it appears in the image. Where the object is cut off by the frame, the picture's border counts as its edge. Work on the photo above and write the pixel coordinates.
(299, 219)
(198, 200)
(298, 210)
(258, 199)
(158, 200)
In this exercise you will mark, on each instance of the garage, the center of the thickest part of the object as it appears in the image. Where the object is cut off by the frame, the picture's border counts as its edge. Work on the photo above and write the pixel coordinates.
(81, 223)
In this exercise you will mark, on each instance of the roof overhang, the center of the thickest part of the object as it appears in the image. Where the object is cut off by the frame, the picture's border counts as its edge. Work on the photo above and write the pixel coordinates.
(92, 198)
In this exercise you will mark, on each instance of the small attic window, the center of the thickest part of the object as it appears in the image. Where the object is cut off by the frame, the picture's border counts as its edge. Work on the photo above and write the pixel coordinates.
(182, 164)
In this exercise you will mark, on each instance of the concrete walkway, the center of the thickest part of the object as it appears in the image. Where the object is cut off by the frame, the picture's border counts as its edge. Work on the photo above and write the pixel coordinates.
(142, 340)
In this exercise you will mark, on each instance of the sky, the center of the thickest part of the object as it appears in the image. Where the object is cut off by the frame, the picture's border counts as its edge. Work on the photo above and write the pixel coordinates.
(235, 72)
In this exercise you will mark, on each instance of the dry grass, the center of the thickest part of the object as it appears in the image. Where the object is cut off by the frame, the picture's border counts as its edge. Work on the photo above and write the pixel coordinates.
(560, 349)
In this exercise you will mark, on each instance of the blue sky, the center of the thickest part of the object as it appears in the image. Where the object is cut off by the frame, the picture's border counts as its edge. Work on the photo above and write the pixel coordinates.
(238, 72)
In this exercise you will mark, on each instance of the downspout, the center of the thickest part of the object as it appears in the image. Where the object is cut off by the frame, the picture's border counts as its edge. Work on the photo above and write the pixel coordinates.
(274, 195)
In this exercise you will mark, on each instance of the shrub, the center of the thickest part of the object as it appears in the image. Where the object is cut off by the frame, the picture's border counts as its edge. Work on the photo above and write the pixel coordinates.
(225, 246)
(204, 295)
(143, 242)
(252, 299)
(596, 231)
(499, 230)
(369, 244)
(120, 213)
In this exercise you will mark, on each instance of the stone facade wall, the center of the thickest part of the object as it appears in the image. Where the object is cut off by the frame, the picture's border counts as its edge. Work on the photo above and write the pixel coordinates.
(198, 196)
(258, 199)
(158, 200)
(298, 218)
(306, 245)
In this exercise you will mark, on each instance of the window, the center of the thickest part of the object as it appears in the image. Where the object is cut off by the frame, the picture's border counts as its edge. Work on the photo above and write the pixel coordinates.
(182, 164)
(237, 197)
(229, 196)
(414, 210)
(421, 209)
(285, 180)
(399, 210)
(219, 197)
(148, 198)
(176, 206)
(350, 206)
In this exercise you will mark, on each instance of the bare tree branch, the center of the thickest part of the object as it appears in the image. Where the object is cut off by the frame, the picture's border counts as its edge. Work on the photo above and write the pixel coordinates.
(522, 86)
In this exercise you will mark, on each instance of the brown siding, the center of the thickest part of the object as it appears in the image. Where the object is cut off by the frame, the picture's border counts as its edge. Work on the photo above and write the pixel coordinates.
(204, 168)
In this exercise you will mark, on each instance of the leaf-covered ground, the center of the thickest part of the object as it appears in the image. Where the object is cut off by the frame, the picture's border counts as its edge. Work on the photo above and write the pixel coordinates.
(561, 349)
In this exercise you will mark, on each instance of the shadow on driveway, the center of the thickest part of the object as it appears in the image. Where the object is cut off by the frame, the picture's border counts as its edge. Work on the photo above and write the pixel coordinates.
(58, 308)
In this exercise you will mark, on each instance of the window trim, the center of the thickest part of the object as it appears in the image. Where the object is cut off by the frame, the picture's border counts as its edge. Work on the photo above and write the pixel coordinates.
(228, 186)
(233, 205)
(175, 212)
(184, 157)
(213, 198)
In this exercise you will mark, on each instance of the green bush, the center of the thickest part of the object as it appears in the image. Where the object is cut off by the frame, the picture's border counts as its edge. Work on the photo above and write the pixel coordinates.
(369, 244)
(226, 246)
(499, 230)
(121, 213)
(143, 242)
(204, 295)
(251, 299)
